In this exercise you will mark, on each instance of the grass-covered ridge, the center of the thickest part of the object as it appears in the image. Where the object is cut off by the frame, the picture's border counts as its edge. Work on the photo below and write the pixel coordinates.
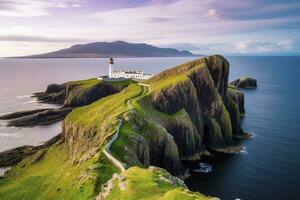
(86, 83)
(153, 183)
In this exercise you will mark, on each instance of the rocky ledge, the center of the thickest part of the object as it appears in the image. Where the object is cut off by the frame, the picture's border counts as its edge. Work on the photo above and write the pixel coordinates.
(36, 117)
(244, 83)
(68, 96)
(14, 156)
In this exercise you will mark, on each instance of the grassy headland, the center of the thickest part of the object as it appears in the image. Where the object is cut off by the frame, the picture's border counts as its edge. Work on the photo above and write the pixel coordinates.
(185, 111)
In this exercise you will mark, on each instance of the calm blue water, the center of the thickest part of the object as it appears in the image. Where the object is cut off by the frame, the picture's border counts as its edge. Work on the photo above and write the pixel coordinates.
(270, 168)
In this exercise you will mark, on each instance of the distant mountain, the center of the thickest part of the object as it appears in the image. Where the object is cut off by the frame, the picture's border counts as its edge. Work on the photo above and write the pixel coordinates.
(113, 49)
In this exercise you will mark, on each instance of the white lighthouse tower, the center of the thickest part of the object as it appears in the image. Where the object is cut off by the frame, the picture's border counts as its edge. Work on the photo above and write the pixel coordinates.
(111, 66)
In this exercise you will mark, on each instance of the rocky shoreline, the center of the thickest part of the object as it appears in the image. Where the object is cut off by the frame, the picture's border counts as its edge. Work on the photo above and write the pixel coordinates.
(14, 156)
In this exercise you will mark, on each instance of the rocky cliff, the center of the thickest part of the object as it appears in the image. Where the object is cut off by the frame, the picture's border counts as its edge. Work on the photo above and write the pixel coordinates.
(189, 112)
(77, 93)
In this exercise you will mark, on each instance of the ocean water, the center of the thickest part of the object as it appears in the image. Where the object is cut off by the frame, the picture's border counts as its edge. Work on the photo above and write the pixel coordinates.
(267, 169)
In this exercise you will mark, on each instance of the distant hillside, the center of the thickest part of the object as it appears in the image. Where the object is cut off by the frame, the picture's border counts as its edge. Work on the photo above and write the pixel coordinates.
(113, 49)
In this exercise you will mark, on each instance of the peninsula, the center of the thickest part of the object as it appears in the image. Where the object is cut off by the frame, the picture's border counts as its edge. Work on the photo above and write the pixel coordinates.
(126, 139)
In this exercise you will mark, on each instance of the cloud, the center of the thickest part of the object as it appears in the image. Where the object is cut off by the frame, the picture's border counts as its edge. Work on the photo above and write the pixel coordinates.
(192, 18)
(159, 19)
(76, 5)
(26, 38)
(208, 26)
(33, 8)
(212, 13)
(241, 47)
(264, 47)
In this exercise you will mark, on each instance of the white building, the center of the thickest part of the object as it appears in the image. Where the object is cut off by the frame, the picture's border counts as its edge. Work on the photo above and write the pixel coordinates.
(135, 74)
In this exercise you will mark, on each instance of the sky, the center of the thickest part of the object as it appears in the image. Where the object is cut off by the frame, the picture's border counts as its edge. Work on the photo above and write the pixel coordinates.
(247, 27)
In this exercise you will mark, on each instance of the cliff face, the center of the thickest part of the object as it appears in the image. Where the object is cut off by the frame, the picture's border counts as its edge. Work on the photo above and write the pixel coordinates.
(214, 115)
(81, 142)
(78, 96)
(151, 145)
(199, 114)
(78, 93)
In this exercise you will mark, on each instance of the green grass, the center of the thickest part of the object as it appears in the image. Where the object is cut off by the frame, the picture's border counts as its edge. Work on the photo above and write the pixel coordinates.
(168, 81)
(104, 112)
(146, 184)
(55, 177)
(121, 83)
(51, 178)
(86, 83)
(118, 147)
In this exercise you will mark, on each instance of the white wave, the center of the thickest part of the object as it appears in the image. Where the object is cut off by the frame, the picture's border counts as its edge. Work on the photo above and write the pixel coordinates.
(32, 101)
(24, 96)
(203, 168)
(3, 123)
(253, 135)
(244, 151)
(9, 135)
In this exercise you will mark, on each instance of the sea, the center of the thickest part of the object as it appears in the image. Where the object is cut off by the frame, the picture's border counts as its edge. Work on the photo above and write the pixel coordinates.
(268, 168)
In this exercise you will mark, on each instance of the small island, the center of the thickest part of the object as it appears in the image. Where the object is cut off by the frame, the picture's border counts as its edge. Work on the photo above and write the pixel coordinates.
(115, 132)
(244, 83)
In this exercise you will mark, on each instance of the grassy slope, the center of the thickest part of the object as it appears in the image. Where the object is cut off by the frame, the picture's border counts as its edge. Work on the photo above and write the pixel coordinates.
(103, 112)
(147, 184)
(54, 177)
(86, 83)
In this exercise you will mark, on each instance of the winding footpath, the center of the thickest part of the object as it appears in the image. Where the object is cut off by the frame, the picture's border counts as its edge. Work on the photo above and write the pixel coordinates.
(106, 150)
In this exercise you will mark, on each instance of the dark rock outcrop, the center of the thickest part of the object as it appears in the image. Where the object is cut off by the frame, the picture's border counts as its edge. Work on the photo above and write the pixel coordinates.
(153, 146)
(40, 117)
(245, 83)
(69, 95)
(238, 98)
(73, 94)
(21, 114)
(14, 156)
(78, 96)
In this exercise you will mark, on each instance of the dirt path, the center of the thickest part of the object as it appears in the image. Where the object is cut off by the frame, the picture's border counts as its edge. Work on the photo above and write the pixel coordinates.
(106, 150)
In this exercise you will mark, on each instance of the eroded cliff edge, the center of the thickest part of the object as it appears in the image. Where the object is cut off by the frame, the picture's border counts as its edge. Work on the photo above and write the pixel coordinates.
(189, 111)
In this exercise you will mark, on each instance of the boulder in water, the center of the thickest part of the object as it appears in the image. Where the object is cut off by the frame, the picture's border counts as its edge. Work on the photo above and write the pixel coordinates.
(245, 83)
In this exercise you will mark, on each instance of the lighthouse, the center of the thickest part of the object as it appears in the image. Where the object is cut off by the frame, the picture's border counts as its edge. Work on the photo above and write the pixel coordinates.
(110, 69)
